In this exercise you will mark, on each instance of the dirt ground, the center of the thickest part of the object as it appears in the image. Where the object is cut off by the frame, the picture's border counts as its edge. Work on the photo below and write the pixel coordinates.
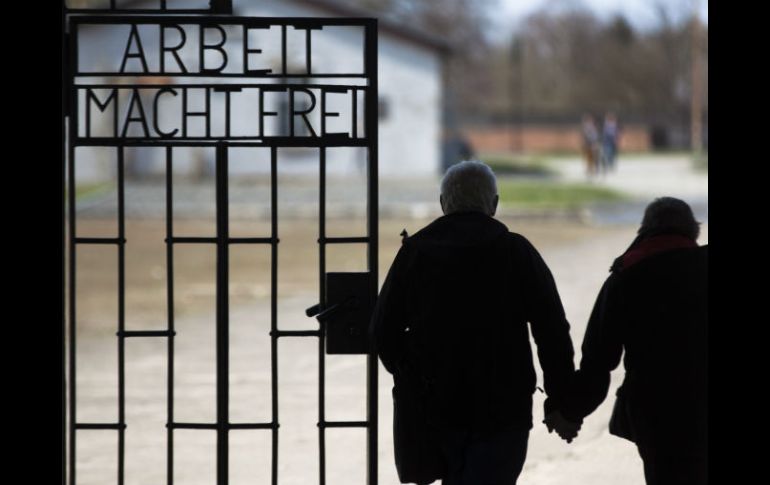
(578, 255)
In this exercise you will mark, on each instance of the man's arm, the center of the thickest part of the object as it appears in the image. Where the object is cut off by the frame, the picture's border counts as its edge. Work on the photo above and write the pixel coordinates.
(550, 330)
(386, 328)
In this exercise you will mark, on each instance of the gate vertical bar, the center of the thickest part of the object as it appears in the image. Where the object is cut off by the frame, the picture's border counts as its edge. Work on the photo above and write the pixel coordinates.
(222, 339)
(322, 299)
(73, 347)
(274, 308)
(370, 68)
(64, 93)
(72, 127)
(170, 313)
(121, 316)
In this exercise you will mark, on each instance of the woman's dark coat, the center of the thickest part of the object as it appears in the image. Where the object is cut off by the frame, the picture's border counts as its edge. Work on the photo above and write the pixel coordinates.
(654, 306)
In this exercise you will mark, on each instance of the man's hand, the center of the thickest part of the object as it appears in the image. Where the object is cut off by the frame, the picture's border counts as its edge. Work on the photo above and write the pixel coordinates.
(566, 430)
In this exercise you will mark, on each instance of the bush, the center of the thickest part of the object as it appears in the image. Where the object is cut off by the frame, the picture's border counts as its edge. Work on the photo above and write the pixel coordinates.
(517, 165)
(554, 195)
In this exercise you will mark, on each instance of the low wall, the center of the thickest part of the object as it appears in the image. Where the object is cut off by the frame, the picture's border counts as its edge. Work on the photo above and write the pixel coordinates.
(531, 138)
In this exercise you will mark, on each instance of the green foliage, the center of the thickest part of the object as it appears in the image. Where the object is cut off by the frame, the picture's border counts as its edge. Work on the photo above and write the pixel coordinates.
(527, 193)
(85, 191)
(508, 164)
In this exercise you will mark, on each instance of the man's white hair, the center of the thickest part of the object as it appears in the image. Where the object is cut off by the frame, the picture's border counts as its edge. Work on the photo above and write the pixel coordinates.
(469, 186)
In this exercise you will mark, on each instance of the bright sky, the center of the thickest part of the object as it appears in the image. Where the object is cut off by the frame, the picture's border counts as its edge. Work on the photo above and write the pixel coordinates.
(641, 13)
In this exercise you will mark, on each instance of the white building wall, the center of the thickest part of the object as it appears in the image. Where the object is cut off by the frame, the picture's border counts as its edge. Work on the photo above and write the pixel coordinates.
(410, 85)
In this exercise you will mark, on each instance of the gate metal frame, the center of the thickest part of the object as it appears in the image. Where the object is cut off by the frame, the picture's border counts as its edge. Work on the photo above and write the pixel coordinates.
(71, 18)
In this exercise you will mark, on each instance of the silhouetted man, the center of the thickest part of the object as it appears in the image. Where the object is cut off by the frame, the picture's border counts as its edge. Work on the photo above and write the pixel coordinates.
(655, 306)
(451, 326)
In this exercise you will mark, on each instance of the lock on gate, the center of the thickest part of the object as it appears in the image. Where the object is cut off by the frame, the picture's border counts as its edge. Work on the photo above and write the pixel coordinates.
(346, 313)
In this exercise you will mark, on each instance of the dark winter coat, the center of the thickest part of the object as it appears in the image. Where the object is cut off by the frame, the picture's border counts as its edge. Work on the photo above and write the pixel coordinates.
(450, 324)
(654, 306)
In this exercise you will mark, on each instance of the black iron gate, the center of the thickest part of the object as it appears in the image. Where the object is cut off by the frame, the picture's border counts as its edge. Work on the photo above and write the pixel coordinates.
(345, 299)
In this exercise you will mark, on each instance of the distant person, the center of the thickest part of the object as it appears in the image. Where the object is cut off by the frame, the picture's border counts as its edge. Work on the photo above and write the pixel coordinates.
(465, 149)
(451, 326)
(654, 306)
(610, 137)
(456, 148)
(590, 136)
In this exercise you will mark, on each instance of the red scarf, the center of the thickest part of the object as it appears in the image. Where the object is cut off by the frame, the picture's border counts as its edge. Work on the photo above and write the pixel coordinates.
(654, 245)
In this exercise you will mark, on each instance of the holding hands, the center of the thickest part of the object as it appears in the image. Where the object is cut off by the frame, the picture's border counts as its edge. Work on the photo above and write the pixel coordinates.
(567, 430)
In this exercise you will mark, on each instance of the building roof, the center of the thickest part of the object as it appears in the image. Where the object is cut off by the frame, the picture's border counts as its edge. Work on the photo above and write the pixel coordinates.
(386, 25)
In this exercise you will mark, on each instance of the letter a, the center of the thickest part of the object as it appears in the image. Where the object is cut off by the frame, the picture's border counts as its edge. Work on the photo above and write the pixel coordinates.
(134, 35)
